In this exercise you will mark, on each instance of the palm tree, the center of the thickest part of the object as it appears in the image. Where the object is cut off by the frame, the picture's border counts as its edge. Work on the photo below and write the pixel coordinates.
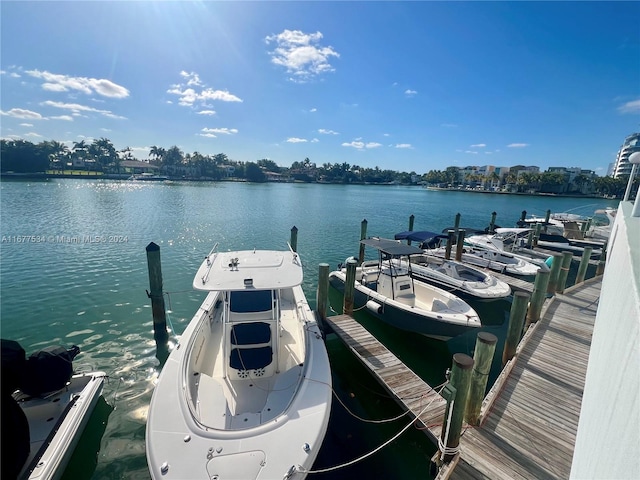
(157, 153)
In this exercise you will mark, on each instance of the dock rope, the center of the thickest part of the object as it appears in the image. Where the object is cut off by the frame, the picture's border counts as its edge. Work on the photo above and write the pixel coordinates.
(442, 446)
(301, 469)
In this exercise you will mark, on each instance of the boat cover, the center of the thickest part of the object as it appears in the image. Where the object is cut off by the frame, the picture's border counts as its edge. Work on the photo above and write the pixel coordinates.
(421, 236)
(391, 247)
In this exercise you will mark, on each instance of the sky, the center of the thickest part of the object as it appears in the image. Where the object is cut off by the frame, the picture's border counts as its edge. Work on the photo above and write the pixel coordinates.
(405, 86)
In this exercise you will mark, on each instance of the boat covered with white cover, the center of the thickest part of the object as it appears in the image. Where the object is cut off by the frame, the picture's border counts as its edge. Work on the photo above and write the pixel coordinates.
(246, 394)
(451, 275)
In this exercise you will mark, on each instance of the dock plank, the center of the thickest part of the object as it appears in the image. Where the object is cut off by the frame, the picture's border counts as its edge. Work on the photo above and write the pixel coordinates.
(529, 427)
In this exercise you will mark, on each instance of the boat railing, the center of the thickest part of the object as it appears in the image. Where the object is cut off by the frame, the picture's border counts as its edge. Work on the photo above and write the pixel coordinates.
(210, 262)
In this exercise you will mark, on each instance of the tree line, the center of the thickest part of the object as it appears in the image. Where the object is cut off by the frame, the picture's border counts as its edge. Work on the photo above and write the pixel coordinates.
(100, 155)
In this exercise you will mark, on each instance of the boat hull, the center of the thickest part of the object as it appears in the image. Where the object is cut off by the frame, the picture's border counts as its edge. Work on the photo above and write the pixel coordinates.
(401, 316)
(273, 435)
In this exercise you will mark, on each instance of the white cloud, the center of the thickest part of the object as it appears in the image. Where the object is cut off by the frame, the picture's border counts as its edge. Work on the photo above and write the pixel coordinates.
(314, 140)
(296, 140)
(313, 110)
(22, 113)
(301, 54)
(410, 93)
(324, 131)
(517, 145)
(630, 107)
(206, 112)
(76, 108)
(223, 131)
(67, 118)
(359, 145)
(470, 151)
(189, 96)
(404, 145)
(62, 83)
(32, 134)
(26, 124)
(478, 145)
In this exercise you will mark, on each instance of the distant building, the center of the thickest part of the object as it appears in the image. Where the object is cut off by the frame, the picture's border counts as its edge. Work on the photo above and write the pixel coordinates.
(623, 166)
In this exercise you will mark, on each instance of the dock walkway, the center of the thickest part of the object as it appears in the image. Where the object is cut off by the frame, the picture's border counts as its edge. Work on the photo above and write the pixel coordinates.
(531, 413)
(407, 388)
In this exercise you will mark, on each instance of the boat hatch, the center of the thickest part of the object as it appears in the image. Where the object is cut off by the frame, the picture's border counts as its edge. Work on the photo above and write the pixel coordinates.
(244, 465)
(252, 333)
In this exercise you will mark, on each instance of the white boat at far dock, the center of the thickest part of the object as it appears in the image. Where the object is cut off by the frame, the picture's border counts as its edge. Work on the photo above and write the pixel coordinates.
(247, 392)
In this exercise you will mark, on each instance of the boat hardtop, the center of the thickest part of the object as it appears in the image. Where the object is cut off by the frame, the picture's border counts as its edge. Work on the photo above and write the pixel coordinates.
(248, 269)
(391, 248)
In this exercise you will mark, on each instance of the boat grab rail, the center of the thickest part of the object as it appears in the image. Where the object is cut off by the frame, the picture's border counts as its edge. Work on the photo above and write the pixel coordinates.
(205, 277)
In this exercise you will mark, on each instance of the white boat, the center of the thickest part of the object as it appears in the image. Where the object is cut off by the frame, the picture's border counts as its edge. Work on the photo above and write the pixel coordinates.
(498, 248)
(148, 177)
(451, 275)
(47, 414)
(388, 290)
(246, 394)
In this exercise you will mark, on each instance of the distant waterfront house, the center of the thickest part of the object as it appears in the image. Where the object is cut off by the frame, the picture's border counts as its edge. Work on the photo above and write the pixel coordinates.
(136, 166)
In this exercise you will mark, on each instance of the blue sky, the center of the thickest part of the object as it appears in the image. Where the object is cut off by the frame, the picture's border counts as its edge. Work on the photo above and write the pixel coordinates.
(407, 86)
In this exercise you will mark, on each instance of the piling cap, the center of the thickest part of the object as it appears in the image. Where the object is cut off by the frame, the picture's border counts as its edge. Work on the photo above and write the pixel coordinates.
(152, 247)
(463, 361)
(487, 338)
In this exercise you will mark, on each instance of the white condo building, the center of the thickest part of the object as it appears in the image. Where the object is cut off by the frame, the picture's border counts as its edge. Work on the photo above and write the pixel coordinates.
(622, 166)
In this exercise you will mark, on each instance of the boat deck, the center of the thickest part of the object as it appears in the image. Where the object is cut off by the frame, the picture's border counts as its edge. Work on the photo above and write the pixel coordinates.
(531, 413)
(409, 390)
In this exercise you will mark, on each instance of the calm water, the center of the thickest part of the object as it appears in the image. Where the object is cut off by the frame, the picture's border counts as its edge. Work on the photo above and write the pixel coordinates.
(81, 279)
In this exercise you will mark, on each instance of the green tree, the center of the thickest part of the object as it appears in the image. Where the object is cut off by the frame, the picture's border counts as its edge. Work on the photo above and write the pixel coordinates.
(173, 156)
(253, 173)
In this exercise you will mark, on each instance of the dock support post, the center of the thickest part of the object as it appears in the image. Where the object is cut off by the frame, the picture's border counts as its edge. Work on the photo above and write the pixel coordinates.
(363, 235)
(450, 240)
(537, 297)
(411, 220)
(603, 260)
(456, 224)
(155, 294)
(523, 215)
(482, 358)
(349, 287)
(546, 220)
(294, 238)
(460, 379)
(492, 224)
(460, 245)
(584, 263)
(530, 239)
(516, 323)
(564, 271)
(536, 235)
(322, 295)
(555, 271)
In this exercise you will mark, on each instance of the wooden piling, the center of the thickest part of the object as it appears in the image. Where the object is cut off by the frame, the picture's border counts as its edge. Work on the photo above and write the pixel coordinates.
(349, 287)
(555, 271)
(603, 261)
(294, 238)
(460, 245)
(546, 220)
(536, 235)
(516, 323)
(537, 297)
(450, 241)
(156, 295)
(492, 224)
(460, 379)
(322, 295)
(363, 235)
(482, 358)
(411, 220)
(456, 225)
(584, 263)
(564, 271)
(530, 239)
(523, 215)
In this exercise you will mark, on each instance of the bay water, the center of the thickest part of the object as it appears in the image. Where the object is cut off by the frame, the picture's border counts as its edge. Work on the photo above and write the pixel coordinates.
(73, 271)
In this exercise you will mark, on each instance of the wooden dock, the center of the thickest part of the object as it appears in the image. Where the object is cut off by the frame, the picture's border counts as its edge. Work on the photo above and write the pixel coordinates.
(408, 389)
(530, 417)
(513, 282)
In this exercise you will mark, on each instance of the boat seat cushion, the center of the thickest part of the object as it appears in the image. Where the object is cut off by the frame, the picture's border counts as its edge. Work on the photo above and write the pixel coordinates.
(251, 358)
(250, 333)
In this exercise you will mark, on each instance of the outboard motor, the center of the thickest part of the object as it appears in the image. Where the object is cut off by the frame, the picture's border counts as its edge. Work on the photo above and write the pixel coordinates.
(48, 370)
